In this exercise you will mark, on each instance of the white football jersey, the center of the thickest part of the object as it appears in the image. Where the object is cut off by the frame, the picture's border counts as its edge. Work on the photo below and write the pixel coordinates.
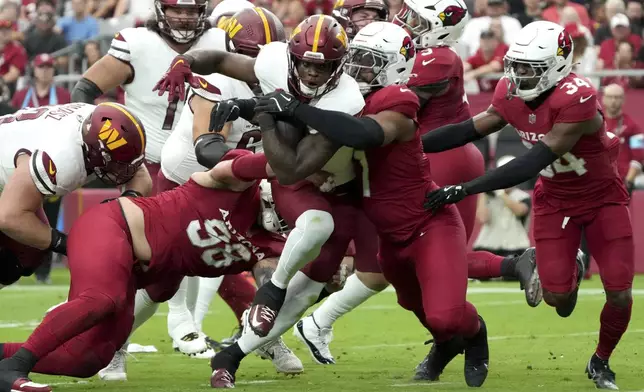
(150, 57)
(52, 136)
(271, 69)
(178, 160)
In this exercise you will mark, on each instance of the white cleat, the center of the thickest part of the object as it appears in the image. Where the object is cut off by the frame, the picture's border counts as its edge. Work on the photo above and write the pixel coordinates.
(282, 357)
(191, 344)
(316, 339)
(115, 370)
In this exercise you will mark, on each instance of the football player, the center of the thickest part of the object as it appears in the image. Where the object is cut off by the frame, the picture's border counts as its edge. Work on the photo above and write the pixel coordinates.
(356, 14)
(206, 227)
(557, 113)
(179, 160)
(422, 256)
(54, 150)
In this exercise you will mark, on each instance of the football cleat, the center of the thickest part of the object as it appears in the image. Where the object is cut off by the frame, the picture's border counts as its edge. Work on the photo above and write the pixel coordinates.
(529, 277)
(477, 357)
(26, 385)
(13, 379)
(567, 309)
(440, 355)
(191, 344)
(316, 339)
(116, 369)
(601, 374)
(222, 378)
(282, 357)
(263, 312)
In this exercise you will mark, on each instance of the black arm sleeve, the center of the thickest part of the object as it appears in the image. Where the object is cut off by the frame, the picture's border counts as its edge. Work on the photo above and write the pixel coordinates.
(210, 148)
(514, 172)
(86, 91)
(450, 136)
(341, 128)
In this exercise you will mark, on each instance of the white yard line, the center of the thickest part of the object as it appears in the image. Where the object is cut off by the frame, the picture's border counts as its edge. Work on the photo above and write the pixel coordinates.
(422, 384)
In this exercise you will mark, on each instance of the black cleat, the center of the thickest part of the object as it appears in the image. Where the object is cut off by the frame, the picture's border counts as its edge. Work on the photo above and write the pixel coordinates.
(263, 312)
(567, 309)
(477, 357)
(526, 270)
(439, 356)
(599, 371)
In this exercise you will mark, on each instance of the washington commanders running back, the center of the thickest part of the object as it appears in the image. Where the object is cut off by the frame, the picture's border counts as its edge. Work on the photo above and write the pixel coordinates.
(139, 56)
(206, 227)
(557, 113)
(422, 256)
(54, 150)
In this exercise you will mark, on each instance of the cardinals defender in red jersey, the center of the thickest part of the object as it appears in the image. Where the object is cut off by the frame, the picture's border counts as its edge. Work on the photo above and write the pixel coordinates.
(437, 79)
(557, 113)
(422, 256)
(206, 227)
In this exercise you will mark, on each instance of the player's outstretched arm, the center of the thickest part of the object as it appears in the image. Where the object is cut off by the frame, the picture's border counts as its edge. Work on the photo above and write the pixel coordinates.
(236, 174)
(19, 201)
(236, 66)
(456, 135)
(105, 75)
(294, 163)
(140, 185)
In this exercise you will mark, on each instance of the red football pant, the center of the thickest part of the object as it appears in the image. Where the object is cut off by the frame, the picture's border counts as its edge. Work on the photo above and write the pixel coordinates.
(454, 167)
(429, 274)
(366, 245)
(80, 337)
(609, 234)
(293, 201)
(238, 293)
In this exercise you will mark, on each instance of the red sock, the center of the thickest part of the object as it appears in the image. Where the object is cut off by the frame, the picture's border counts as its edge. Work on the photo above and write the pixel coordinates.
(614, 322)
(67, 321)
(238, 293)
(481, 264)
(470, 324)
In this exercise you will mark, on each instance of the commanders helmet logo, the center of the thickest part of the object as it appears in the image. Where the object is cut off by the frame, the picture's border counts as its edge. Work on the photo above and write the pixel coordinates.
(564, 45)
(452, 15)
(408, 49)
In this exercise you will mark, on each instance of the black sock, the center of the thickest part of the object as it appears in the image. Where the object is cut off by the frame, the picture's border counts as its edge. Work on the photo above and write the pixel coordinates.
(228, 359)
(323, 294)
(270, 295)
(509, 267)
(25, 360)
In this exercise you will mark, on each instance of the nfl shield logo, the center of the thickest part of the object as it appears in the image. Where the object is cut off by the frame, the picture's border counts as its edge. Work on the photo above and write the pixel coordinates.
(532, 118)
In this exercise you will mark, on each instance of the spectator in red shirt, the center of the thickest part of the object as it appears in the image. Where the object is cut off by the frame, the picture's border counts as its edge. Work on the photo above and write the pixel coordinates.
(314, 7)
(42, 91)
(624, 59)
(487, 59)
(621, 32)
(13, 58)
(553, 13)
(631, 151)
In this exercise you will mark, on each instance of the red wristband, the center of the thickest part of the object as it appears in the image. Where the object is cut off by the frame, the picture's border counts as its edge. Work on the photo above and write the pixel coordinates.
(250, 167)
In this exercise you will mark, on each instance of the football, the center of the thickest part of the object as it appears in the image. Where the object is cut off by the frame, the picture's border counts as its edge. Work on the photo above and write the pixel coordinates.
(290, 131)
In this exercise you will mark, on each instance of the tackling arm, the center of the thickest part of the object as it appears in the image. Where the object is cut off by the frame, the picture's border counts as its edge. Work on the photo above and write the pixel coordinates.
(19, 201)
(105, 75)
(292, 165)
(456, 135)
(557, 142)
(236, 66)
(141, 184)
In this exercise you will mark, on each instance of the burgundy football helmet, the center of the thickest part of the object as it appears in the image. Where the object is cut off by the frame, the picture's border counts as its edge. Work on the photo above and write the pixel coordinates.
(251, 28)
(343, 11)
(319, 39)
(114, 143)
(181, 30)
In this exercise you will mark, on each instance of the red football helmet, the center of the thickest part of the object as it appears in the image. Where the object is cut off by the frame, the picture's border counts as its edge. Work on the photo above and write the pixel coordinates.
(114, 143)
(343, 11)
(181, 29)
(319, 40)
(250, 28)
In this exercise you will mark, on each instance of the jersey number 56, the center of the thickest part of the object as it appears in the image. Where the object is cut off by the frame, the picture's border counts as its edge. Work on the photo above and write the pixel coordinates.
(219, 250)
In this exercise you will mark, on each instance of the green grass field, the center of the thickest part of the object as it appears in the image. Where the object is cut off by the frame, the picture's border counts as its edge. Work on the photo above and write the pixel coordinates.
(377, 346)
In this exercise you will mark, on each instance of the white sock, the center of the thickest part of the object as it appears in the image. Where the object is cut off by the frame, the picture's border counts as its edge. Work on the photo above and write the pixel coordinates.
(342, 302)
(180, 321)
(192, 293)
(301, 293)
(312, 229)
(144, 309)
(208, 287)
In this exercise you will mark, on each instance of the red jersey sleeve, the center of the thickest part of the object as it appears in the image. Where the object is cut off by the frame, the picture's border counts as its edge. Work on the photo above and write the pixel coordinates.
(576, 101)
(433, 65)
(500, 97)
(395, 98)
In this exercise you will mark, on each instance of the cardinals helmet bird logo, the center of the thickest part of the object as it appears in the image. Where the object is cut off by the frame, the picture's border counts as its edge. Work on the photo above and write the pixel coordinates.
(408, 49)
(452, 15)
(564, 43)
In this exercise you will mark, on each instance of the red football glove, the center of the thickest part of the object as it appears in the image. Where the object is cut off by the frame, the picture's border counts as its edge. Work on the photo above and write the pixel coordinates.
(175, 79)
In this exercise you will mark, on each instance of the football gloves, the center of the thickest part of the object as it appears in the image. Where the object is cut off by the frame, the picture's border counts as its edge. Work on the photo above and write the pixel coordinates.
(451, 194)
(278, 102)
(223, 112)
(175, 79)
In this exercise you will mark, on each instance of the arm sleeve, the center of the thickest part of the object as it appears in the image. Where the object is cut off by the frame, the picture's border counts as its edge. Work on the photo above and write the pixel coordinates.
(210, 89)
(54, 174)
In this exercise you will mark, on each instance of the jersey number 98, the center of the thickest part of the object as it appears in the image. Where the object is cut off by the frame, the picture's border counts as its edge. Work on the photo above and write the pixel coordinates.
(219, 249)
